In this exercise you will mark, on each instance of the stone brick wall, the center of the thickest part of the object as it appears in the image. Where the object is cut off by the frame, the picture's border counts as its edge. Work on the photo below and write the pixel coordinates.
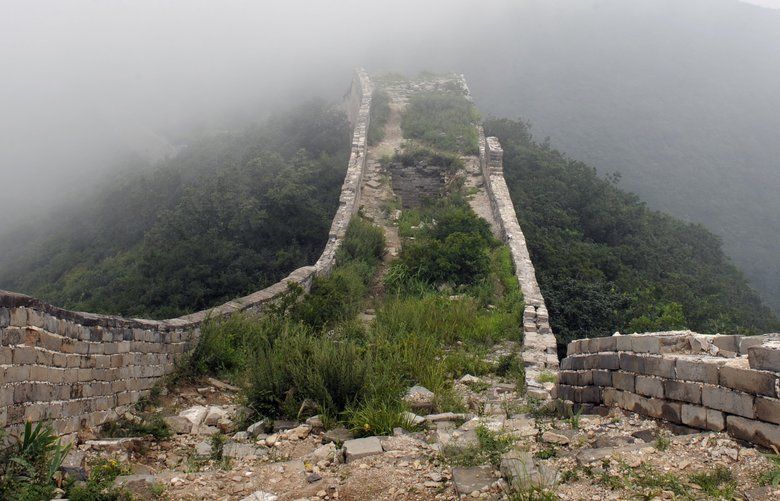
(80, 369)
(539, 346)
(720, 383)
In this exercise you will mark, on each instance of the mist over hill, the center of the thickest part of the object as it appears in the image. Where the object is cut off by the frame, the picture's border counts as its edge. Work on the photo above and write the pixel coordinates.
(678, 96)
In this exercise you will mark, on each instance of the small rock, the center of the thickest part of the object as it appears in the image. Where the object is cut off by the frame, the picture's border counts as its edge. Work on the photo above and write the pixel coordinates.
(419, 397)
(413, 418)
(178, 424)
(315, 422)
(241, 436)
(215, 414)
(337, 435)
(313, 477)
(469, 379)
(222, 385)
(552, 437)
(299, 432)
(195, 414)
(203, 448)
(361, 447)
(259, 427)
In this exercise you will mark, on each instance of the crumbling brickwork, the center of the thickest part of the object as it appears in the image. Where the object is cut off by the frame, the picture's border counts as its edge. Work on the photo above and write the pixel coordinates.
(720, 383)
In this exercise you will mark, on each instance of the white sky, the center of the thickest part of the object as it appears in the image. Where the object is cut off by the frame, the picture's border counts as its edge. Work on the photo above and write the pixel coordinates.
(772, 4)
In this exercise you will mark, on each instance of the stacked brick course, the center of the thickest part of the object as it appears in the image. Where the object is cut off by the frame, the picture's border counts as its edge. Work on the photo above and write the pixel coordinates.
(80, 369)
(720, 383)
(539, 346)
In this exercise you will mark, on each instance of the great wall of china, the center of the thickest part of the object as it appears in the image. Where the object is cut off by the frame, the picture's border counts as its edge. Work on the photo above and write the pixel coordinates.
(80, 369)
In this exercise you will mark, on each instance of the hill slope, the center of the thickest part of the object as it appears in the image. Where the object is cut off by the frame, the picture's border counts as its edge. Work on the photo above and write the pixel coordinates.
(605, 261)
(230, 214)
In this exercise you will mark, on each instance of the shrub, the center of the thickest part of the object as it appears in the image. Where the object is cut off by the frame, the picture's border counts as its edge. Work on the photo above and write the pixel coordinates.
(152, 424)
(99, 486)
(298, 366)
(380, 113)
(443, 120)
(27, 467)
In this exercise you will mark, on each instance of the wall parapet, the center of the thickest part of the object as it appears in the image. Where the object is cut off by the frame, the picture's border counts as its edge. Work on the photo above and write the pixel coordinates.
(80, 369)
(725, 383)
(539, 345)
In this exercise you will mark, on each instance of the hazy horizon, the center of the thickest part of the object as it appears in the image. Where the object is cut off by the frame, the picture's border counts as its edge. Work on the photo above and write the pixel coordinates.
(90, 84)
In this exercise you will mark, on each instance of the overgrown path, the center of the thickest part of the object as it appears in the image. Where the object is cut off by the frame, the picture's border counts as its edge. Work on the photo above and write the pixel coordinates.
(378, 197)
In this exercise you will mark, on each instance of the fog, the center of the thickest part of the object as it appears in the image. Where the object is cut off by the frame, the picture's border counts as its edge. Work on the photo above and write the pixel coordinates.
(87, 85)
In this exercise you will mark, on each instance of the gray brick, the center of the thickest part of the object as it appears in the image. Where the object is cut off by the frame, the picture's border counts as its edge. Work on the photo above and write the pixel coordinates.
(768, 409)
(727, 400)
(701, 370)
(649, 386)
(602, 378)
(716, 420)
(623, 381)
(757, 432)
(694, 416)
(645, 344)
(765, 357)
(749, 380)
(683, 391)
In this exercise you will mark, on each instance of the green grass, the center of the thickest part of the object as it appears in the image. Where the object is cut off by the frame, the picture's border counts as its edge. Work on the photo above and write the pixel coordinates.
(149, 425)
(718, 483)
(446, 121)
(488, 449)
(380, 113)
(771, 476)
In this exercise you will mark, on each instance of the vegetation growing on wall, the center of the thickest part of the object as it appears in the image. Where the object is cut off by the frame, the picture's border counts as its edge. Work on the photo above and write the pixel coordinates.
(443, 120)
(229, 215)
(380, 113)
(605, 262)
(315, 356)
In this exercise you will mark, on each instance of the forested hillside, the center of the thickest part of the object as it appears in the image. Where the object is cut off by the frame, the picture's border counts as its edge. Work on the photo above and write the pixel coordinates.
(606, 262)
(232, 213)
(684, 106)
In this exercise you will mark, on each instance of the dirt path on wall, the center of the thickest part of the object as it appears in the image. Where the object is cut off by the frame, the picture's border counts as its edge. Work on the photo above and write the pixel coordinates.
(477, 195)
(378, 199)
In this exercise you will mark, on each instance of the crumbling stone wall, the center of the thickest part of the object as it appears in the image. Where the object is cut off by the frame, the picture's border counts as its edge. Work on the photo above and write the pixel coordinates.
(720, 383)
(80, 369)
(539, 346)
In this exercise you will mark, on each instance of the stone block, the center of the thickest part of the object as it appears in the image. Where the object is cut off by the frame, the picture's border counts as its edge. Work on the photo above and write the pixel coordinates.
(623, 381)
(24, 355)
(5, 318)
(752, 381)
(727, 342)
(473, 479)
(6, 355)
(601, 344)
(18, 317)
(602, 378)
(716, 420)
(645, 344)
(727, 400)
(748, 341)
(757, 432)
(361, 447)
(649, 386)
(768, 409)
(683, 391)
(694, 416)
(765, 357)
(701, 369)
(585, 378)
(568, 377)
